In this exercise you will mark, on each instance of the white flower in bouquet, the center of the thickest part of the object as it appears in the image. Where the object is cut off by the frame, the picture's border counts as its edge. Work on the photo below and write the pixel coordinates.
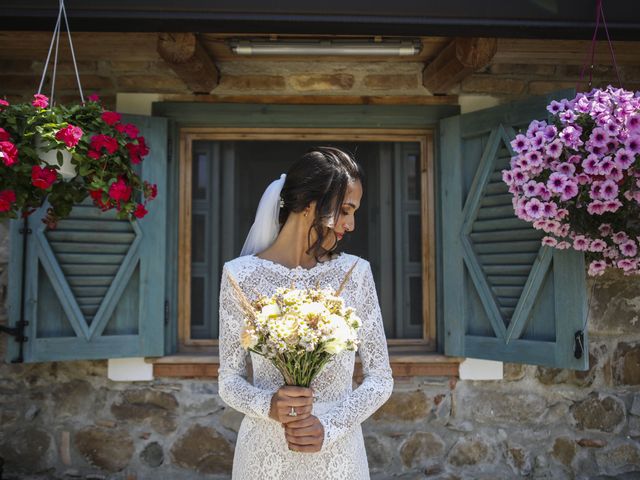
(300, 330)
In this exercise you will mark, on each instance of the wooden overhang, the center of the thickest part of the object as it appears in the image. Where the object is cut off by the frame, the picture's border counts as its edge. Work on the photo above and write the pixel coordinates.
(559, 19)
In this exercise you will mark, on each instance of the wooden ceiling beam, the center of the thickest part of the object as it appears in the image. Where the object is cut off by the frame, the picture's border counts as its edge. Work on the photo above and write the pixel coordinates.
(186, 56)
(459, 59)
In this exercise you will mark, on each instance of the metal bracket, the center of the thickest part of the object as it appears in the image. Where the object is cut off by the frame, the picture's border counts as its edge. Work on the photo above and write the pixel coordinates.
(17, 331)
(578, 344)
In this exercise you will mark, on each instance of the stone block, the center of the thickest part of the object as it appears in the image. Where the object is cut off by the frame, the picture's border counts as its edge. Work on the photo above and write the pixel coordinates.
(519, 460)
(468, 452)
(378, 454)
(512, 372)
(73, 398)
(25, 450)
(554, 376)
(492, 85)
(404, 406)
(591, 442)
(147, 404)
(599, 412)
(499, 407)
(635, 406)
(252, 82)
(108, 449)
(564, 450)
(89, 82)
(322, 82)
(626, 364)
(203, 450)
(419, 447)
(390, 81)
(152, 455)
(620, 459)
(615, 305)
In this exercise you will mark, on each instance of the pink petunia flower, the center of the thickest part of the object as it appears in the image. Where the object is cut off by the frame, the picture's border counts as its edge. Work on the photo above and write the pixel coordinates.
(549, 241)
(554, 149)
(580, 243)
(629, 248)
(608, 190)
(520, 144)
(534, 208)
(598, 137)
(597, 245)
(633, 143)
(569, 191)
(597, 267)
(557, 182)
(605, 229)
(596, 208)
(590, 165)
(619, 238)
(563, 245)
(624, 158)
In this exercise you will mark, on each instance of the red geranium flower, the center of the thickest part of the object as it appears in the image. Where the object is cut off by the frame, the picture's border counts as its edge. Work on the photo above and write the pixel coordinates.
(100, 141)
(4, 135)
(43, 177)
(8, 153)
(119, 190)
(7, 197)
(3, 103)
(40, 101)
(70, 135)
(111, 118)
(129, 129)
(93, 97)
(140, 211)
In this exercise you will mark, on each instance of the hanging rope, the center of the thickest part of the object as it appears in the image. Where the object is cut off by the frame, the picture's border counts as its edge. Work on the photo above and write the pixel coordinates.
(55, 38)
(592, 50)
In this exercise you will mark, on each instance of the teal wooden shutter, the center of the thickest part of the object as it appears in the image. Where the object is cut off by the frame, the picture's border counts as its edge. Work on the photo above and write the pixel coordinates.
(505, 296)
(95, 285)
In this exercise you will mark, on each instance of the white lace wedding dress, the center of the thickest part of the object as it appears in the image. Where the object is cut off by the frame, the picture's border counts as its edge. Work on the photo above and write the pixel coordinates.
(261, 449)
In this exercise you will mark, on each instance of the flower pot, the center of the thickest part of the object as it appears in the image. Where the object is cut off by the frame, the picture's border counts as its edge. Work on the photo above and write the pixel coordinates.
(67, 170)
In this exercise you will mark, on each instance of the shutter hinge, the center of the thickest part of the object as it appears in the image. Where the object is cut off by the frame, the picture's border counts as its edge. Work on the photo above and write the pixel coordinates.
(578, 344)
(166, 312)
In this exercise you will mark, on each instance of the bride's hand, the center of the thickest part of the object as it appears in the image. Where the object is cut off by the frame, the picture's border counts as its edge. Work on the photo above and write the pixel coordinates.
(300, 398)
(305, 435)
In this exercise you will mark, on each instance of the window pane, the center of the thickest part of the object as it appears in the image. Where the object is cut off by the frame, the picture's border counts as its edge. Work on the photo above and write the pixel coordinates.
(197, 301)
(199, 175)
(198, 229)
(415, 242)
(415, 294)
(413, 176)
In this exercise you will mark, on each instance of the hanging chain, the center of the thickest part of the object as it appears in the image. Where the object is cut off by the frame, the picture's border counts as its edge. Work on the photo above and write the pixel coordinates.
(55, 38)
(592, 50)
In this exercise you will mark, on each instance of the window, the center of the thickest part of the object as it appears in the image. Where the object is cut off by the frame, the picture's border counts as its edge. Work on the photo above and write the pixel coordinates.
(223, 176)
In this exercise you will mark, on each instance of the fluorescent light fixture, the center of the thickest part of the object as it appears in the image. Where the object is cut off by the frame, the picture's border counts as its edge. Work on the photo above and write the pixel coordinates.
(396, 49)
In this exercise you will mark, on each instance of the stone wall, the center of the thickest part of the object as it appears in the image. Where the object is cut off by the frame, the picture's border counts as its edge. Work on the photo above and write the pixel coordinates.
(68, 420)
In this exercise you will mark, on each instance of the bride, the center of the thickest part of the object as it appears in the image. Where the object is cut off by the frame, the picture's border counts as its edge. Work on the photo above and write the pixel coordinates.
(294, 432)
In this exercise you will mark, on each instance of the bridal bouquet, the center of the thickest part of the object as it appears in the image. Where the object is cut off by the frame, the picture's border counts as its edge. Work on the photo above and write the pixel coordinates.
(577, 178)
(299, 330)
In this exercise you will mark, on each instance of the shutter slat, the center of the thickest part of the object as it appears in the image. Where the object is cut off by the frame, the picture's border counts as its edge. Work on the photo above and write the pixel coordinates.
(89, 270)
(502, 199)
(508, 301)
(507, 258)
(511, 269)
(90, 291)
(81, 280)
(495, 188)
(505, 291)
(82, 258)
(501, 211)
(520, 234)
(516, 246)
(77, 247)
(500, 225)
(508, 279)
(83, 225)
(97, 237)
(88, 301)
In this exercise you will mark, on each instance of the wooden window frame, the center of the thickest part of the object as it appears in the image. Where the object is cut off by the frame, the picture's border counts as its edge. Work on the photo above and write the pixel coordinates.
(423, 137)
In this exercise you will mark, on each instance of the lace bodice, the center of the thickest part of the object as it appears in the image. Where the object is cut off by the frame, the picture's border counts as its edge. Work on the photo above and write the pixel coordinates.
(340, 408)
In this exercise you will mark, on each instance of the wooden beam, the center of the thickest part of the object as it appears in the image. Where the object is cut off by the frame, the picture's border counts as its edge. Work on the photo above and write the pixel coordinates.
(457, 60)
(187, 57)
(318, 99)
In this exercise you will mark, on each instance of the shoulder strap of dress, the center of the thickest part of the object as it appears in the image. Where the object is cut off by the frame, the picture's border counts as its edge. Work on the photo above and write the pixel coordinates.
(346, 278)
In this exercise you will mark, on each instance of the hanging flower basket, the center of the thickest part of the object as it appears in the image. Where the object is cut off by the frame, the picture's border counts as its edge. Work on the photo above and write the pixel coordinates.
(66, 153)
(578, 177)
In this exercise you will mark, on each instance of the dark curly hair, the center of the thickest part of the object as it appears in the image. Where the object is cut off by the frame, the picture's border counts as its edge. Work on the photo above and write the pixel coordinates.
(322, 175)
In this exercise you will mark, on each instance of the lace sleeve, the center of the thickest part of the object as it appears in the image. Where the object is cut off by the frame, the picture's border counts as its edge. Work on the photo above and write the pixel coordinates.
(378, 380)
(233, 387)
